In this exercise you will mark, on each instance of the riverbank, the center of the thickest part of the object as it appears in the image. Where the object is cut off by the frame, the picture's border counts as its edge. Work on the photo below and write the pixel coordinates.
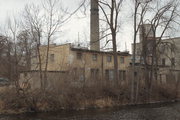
(147, 112)
(13, 102)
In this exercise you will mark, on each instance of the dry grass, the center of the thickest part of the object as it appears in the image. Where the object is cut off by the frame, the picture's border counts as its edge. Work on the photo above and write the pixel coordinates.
(78, 97)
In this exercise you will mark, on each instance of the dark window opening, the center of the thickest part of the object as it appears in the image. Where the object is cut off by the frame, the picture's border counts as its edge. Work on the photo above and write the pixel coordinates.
(173, 61)
(122, 75)
(94, 73)
(163, 61)
(25, 74)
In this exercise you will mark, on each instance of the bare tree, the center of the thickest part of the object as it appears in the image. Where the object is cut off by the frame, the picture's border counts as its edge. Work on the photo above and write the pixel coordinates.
(163, 15)
(25, 43)
(33, 21)
(45, 22)
(140, 9)
(111, 11)
(13, 28)
(53, 19)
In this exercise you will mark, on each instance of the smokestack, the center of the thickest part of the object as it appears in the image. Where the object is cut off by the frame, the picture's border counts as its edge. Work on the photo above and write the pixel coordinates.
(147, 30)
(94, 26)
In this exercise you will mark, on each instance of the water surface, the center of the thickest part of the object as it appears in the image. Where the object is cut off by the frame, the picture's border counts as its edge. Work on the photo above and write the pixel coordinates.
(169, 111)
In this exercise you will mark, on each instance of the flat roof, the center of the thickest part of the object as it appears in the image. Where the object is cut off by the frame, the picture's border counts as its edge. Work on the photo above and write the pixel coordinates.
(100, 52)
(81, 49)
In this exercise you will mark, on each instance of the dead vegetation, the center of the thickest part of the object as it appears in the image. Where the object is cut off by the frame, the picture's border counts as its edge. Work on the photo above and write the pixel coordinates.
(74, 98)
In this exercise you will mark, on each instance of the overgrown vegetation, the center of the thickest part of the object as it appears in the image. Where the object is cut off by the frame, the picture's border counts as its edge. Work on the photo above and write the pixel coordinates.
(73, 98)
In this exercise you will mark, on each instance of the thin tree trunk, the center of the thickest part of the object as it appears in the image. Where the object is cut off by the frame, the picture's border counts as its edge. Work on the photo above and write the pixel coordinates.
(116, 77)
(40, 67)
(46, 64)
(9, 62)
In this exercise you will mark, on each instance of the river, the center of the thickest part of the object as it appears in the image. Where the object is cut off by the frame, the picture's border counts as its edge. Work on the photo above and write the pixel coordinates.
(169, 111)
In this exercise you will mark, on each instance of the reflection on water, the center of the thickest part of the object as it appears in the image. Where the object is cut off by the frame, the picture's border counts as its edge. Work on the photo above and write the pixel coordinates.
(148, 112)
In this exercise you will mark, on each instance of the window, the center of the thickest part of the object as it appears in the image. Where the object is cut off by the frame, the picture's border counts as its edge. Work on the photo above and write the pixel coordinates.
(109, 74)
(94, 73)
(94, 57)
(160, 77)
(121, 60)
(122, 74)
(173, 61)
(138, 51)
(52, 57)
(163, 61)
(109, 58)
(79, 56)
(162, 49)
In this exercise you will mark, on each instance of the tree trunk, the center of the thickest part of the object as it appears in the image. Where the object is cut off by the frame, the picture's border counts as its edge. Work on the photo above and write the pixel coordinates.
(40, 61)
(46, 63)
(116, 76)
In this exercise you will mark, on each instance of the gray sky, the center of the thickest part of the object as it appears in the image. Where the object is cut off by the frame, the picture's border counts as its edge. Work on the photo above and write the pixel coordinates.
(74, 26)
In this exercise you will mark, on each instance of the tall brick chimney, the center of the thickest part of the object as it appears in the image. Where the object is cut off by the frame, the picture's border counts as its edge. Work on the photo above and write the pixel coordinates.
(94, 26)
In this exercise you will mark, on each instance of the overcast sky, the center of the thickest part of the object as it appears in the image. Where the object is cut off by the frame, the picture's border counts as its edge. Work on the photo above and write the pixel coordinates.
(75, 25)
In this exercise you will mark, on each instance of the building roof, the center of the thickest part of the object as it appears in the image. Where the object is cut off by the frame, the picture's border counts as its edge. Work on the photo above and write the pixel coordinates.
(175, 38)
(100, 52)
(83, 49)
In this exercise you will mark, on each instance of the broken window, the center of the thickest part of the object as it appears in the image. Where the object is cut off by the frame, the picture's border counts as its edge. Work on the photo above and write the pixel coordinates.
(94, 57)
(109, 58)
(79, 56)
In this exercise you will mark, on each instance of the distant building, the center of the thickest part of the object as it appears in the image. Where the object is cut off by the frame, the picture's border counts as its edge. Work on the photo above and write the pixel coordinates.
(167, 53)
(82, 63)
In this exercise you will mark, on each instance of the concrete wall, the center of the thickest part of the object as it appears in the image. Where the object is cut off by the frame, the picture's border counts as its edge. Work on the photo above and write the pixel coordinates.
(31, 80)
(61, 58)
